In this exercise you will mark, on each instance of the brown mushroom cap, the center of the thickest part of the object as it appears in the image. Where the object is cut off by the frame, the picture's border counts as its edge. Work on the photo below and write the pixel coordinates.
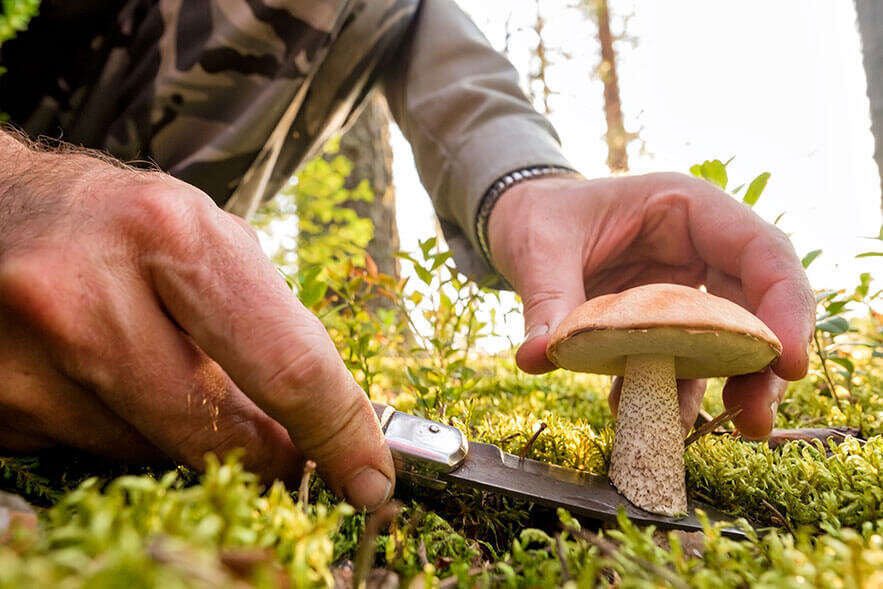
(708, 336)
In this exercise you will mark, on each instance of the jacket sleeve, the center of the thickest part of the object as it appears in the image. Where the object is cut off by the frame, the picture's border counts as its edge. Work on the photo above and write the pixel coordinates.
(458, 103)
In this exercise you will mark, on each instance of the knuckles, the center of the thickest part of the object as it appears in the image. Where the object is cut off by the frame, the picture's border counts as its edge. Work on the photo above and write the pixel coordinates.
(163, 214)
(30, 289)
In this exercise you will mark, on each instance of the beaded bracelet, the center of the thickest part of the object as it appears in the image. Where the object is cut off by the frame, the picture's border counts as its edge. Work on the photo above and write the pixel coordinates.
(497, 190)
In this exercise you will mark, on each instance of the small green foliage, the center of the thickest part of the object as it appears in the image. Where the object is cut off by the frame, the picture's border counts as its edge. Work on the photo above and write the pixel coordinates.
(421, 353)
(715, 171)
(15, 17)
(22, 474)
(755, 189)
(149, 532)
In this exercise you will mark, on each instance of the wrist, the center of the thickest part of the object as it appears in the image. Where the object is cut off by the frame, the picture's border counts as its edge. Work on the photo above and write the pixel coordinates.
(504, 185)
(517, 212)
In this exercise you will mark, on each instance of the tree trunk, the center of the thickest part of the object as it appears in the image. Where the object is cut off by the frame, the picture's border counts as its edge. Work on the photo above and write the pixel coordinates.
(540, 52)
(617, 137)
(366, 145)
(870, 26)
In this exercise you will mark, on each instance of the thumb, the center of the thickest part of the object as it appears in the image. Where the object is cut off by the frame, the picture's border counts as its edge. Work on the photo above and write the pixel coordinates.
(549, 292)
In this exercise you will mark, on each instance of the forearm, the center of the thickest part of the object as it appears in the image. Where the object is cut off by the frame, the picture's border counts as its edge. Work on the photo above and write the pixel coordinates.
(459, 104)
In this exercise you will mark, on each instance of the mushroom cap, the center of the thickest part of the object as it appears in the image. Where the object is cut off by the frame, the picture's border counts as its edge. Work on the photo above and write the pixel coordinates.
(708, 335)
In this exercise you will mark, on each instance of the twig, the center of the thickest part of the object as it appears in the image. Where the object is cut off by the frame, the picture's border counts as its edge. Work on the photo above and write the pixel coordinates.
(712, 425)
(303, 494)
(524, 451)
(779, 515)
(824, 359)
(610, 550)
(562, 558)
(421, 553)
(368, 542)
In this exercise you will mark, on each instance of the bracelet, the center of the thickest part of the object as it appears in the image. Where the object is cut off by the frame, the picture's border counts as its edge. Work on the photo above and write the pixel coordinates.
(497, 190)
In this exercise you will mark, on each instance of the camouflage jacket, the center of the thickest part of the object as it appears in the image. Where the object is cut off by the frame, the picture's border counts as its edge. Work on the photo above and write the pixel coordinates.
(232, 95)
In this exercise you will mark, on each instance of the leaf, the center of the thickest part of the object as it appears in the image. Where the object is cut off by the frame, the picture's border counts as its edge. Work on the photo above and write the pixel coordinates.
(869, 254)
(808, 258)
(836, 307)
(826, 294)
(424, 274)
(371, 266)
(834, 325)
(312, 292)
(426, 246)
(755, 189)
(715, 171)
(439, 259)
(864, 285)
(845, 363)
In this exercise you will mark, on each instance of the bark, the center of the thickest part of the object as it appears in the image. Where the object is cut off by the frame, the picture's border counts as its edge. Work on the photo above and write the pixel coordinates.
(540, 52)
(870, 26)
(617, 137)
(366, 145)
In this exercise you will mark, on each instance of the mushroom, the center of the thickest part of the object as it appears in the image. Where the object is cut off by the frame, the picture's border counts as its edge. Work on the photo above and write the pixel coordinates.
(652, 335)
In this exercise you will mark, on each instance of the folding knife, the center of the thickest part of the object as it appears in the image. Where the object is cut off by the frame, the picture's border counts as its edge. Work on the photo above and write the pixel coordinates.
(433, 455)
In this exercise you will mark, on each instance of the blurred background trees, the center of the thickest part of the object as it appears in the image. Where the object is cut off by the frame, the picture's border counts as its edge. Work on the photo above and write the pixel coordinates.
(870, 26)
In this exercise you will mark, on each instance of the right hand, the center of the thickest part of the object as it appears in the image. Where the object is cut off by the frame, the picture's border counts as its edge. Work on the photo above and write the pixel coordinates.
(139, 320)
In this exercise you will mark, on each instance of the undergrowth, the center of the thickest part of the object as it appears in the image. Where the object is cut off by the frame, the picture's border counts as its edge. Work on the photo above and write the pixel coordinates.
(813, 511)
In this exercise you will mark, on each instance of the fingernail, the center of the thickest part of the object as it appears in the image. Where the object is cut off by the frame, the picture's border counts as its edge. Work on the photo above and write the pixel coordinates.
(536, 331)
(368, 488)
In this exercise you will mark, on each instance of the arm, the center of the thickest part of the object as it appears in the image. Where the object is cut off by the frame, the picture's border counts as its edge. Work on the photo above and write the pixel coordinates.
(558, 241)
(459, 105)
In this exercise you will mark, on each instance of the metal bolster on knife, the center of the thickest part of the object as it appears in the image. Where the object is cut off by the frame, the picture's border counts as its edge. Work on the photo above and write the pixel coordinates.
(422, 450)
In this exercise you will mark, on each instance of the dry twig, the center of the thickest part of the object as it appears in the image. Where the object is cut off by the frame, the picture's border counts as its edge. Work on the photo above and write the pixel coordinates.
(526, 450)
(712, 425)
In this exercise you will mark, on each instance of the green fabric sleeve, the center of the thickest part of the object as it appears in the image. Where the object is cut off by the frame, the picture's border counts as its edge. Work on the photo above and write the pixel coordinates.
(458, 103)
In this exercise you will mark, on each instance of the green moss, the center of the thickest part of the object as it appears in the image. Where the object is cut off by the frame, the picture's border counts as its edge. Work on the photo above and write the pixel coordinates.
(818, 509)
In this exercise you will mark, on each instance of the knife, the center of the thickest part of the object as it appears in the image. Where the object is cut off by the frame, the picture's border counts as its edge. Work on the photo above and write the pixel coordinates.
(433, 454)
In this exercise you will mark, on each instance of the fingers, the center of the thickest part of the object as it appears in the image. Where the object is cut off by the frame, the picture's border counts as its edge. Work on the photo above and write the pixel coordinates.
(758, 396)
(735, 241)
(220, 288)
(549, 291)
(690, 395)
(544, 308)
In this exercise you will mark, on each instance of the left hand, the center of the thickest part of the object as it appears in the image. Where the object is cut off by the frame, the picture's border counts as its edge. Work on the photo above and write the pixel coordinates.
(560, 241)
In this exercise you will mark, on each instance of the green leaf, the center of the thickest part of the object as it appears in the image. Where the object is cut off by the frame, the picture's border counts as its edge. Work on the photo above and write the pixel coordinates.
(439, 259)
(755, 189)
(845, 363)
(312, 292)
(426, 246)
(834, 325)
(864, 285)
(869, 254)
(836, 307)
(808, 258)
(715, 171)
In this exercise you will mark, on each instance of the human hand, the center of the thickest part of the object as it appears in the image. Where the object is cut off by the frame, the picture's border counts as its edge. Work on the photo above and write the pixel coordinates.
(141, 321)
(560, 241)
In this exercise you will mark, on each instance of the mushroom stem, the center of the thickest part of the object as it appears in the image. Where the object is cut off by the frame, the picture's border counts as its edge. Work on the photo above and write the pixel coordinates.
(647, 465)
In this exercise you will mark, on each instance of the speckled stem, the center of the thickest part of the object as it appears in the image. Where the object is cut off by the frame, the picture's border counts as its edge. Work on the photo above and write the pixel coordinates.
(648, 451)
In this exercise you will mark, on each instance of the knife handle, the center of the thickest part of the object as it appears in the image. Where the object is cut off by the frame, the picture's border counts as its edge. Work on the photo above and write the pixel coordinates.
(422, 450)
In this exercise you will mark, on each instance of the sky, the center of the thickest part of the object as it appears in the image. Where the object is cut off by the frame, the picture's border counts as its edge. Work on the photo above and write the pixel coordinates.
(778, 86)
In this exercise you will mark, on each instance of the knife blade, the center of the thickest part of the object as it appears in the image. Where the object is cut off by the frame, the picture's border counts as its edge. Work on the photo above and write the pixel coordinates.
(434, 454)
